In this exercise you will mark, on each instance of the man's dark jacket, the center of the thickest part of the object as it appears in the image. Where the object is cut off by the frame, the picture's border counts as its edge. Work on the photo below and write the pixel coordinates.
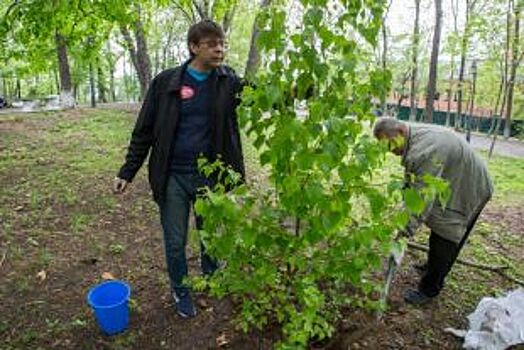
(158, 118)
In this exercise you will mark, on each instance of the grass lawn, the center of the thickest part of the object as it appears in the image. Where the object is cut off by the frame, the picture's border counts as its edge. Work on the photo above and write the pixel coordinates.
(61, 228)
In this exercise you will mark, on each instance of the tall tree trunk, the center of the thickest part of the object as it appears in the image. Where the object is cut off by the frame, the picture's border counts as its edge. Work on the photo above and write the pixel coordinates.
(203, 8)
(126, 89)
(4, 86)
(18, 89)
(506, 85)
(384, 96)
(75, 91)
(67, 99)
(515, 62)
(166, 48)
(143, 60)
(463, 53)
(92, 89)
(414, 64)
(450, 93)
(454, 11)
(253, 59)
(228, 19)
(494, 110)
(472, 101)
(111, 65)
(139, 55)
(432, 83)
(101, 82)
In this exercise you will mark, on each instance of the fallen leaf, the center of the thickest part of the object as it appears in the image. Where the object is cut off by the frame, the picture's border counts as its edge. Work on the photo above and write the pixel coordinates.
(222, 340)
(202, 303)
(108, 276)
(33, 242)
(42, 275)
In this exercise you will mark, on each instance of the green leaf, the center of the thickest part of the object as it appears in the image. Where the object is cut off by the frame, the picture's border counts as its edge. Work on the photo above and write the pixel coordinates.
(414, 201)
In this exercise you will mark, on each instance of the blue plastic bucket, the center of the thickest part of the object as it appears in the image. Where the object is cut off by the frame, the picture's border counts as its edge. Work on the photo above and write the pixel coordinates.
(109, 300)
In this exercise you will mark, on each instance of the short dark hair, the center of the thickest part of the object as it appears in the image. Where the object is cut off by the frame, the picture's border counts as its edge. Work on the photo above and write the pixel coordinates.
(387, 126)
(203, 29)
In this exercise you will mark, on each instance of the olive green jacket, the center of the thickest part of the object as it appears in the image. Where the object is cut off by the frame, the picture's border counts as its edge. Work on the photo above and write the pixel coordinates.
(441, 153)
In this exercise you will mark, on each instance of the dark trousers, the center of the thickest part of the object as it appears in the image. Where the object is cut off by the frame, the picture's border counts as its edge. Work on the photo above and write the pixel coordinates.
(181, 192)
(441, 257)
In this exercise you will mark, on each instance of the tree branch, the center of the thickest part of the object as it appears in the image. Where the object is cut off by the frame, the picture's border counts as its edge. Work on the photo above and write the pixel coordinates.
(190, 17)
(496, 269)
(199, 9)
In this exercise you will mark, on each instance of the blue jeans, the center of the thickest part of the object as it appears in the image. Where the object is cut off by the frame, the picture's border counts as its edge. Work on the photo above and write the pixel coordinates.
(181, 193)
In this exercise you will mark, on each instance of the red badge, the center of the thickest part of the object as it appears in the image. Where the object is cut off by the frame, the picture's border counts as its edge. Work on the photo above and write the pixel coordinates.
(186, 92)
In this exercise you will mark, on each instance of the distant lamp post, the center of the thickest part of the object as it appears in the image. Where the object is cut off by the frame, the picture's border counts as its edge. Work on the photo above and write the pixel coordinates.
(470, 116)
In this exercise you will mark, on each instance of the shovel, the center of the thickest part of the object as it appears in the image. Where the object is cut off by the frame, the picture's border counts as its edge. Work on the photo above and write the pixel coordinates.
(394, 261)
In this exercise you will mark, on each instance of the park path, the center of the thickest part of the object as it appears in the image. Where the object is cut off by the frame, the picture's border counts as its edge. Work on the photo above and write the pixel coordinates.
(509, 148)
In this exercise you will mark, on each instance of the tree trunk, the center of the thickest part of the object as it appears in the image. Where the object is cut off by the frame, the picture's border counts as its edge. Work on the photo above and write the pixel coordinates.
(67, 99)
(111, 66)
(432, 83)
(92, 89)
(506, 85)
(253, 59)
(126, 89)
(414, 63)
(4, 86)
(101, 82)
(203, 8)
(228, 19)
(450, 94)
(166, 48)
(18, 89)
(472, 102)
(384, 96)
(515, 61)
(454, 11)
(463, 53)
(143, 60)
(140, 55)
(494, 110)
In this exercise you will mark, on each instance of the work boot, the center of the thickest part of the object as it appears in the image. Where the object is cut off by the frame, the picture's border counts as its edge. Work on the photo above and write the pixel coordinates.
(421, 268)
(416, 297)
(184, 304)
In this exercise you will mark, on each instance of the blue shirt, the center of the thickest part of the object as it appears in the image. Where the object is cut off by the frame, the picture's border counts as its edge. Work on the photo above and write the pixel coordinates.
(193, 132)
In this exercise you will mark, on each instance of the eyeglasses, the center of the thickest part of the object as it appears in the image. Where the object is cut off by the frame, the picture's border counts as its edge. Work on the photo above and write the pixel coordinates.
(212, 43)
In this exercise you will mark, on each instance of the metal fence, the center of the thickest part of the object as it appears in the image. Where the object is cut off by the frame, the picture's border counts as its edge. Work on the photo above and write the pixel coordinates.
(478, 124)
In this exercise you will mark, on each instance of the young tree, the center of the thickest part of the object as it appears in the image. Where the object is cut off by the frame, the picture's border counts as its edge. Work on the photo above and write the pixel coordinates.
(299, 250)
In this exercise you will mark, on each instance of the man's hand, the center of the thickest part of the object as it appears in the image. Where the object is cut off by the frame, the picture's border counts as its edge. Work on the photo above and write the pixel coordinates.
(119, 185)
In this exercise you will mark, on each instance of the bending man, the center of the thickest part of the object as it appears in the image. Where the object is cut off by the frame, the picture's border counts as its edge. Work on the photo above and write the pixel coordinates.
(427, 149)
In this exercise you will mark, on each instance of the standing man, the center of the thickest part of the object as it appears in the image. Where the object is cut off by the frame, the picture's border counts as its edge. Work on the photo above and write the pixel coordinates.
(436, 151)
(189, 111)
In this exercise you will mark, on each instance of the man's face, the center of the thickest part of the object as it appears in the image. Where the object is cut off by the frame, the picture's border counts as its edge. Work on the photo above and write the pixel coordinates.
(395, 142)
(209, 51)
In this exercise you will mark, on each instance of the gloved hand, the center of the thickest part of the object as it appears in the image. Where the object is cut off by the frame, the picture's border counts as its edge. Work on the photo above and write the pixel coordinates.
(403, 234)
